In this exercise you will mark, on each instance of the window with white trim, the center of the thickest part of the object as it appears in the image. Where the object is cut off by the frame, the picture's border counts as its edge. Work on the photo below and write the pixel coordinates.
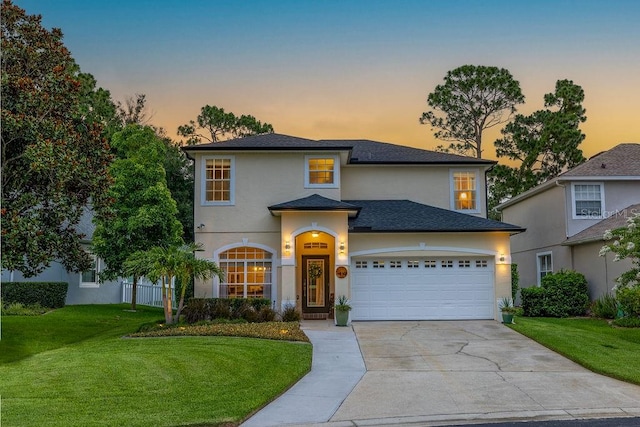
(247, 273)
(464, 194)
(587, 200)
(446, 264)
(321, 171)
(218, 182)
(378, 264)
(89, 278)
(395, 264)
(545, 265)
(413, 264)
(481, 263)
(464, 263)
(430, 263)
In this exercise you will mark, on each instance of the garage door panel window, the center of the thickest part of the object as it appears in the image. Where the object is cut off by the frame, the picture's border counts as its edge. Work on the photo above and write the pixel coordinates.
(361, 264)
(378, 264)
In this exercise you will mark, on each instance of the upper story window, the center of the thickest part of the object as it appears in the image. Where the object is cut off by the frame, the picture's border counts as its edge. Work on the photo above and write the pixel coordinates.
(321, 171)
(218, 180)
(464, 191)
(588, 200)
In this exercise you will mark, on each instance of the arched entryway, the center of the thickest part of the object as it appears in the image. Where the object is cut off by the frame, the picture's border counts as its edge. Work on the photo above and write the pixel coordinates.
(315, 285)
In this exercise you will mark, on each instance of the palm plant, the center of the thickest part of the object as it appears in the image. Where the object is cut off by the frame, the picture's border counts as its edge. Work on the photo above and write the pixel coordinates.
(165, 265)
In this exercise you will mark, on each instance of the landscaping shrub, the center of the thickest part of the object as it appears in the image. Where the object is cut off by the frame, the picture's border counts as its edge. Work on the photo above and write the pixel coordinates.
(605, 307)
(629, 300)
(562, 294)
(628, 322)
(19, 309)
(290, 314)
(566, 294)
(515, 281)
(47, 294)
(267, 314)
(532, 301)
(201, 309)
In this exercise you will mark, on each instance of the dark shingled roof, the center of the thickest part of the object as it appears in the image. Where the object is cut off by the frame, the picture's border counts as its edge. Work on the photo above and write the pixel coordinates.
(314, 203)
(408, 216)
(596, 231)
(621, 160)
(361, 151)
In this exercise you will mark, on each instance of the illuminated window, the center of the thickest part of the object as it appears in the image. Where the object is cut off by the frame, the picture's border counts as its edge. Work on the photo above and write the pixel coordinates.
(247, 273)
(321, 171)
(218, 180)
(464, 191)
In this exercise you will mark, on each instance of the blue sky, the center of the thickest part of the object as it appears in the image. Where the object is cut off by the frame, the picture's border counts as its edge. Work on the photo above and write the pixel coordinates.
(352, 69)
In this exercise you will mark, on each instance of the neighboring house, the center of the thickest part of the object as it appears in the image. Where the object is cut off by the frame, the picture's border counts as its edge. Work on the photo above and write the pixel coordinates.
(567, 216)
(84, 287)
(400, 231)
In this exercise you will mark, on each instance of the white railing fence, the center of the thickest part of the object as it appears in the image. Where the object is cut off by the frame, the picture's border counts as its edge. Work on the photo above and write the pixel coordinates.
(147, 294)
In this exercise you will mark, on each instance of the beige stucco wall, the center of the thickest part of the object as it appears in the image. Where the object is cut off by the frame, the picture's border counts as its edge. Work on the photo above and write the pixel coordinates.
(431, 186)
(600, 272)
(543, 215)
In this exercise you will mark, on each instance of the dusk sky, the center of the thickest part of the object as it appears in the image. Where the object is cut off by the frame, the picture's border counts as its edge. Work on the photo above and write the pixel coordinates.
(353, 69)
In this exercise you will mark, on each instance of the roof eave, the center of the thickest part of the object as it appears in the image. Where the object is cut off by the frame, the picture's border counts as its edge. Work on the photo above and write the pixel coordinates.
(352, 212)
(457, 230)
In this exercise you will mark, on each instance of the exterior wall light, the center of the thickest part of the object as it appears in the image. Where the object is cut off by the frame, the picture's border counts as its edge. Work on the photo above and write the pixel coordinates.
(287, 246)
(342, 247)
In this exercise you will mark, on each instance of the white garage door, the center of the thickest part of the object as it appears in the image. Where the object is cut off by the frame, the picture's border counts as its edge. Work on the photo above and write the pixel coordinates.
(422, 289)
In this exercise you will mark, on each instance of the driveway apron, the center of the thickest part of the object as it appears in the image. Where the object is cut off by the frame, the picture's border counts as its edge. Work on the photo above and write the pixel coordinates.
(472, 370)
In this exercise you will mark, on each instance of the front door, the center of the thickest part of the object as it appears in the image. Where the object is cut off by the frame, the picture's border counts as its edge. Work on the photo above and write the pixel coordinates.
(315, 284)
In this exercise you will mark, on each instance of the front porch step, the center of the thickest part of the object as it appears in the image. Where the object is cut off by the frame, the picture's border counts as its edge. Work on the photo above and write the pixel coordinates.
(315, 316)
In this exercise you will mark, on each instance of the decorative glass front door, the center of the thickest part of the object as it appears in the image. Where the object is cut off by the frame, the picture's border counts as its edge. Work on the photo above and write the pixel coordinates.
(315, 284)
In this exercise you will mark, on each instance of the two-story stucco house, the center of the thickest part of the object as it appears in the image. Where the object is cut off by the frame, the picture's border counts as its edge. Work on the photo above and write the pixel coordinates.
(400, 231)
(566, 218)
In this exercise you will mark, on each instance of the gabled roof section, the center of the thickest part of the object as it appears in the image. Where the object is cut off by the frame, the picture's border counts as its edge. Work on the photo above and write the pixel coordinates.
(314, 202)
(360, 151)
(621, 160)
(270, 141)
(407, 216)
(596, 231)
(373, 152)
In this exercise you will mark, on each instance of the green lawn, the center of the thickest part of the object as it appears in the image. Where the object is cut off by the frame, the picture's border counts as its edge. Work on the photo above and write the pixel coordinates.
(71, 367)
(592, 343)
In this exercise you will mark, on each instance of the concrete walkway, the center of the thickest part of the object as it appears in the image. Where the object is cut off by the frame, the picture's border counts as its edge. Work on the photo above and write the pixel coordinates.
(440, 373)
(336, 369)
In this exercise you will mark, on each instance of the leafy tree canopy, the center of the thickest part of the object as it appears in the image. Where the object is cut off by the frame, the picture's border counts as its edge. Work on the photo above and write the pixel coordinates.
(543, 144)
(143, 213)
(55, 154)
(472, 99)
(214, 124)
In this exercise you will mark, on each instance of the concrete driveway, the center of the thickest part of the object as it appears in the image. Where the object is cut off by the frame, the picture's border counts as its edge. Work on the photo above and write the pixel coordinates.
(431, 372)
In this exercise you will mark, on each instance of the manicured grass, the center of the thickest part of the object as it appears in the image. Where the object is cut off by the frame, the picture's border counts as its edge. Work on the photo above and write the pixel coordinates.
(72, 367)
(592, 343)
